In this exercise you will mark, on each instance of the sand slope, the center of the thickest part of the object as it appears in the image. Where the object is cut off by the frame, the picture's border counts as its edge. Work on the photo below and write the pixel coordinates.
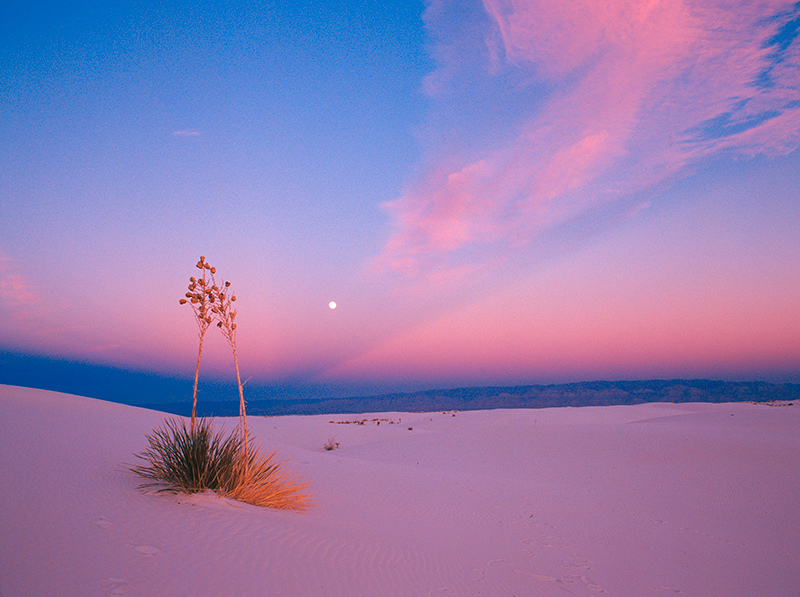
(657, 499)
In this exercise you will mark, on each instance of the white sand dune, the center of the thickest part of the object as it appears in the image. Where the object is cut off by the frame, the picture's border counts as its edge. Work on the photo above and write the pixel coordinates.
(696, 500)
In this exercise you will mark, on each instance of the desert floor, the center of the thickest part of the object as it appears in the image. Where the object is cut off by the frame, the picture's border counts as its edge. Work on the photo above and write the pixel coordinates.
(698, 500)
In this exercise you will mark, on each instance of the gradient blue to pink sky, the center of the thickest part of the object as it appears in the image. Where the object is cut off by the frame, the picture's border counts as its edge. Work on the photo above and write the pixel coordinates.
(503, 192)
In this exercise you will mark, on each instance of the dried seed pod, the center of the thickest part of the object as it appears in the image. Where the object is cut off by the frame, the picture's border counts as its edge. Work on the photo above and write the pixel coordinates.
(182, 301)
(199, 265)
(195, 301)
(227, 284)
(213, 270)
(202, 258)
(233, 298)
(206, 266)
(192, 280)
(188, 295)
(219, 324)
(208, 320)
(222, 296)
(201, 282)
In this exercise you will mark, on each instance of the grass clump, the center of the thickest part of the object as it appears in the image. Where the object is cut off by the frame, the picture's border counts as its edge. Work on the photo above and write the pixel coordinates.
(180, 459)
(197, 458)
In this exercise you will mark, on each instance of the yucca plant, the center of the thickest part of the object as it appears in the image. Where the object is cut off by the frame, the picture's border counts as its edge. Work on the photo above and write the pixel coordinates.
(198, 458)
(181, 460)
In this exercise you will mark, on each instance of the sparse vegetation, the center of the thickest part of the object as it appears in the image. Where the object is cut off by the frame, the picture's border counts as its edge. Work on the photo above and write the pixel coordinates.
(376, 420)
(331, 444)
(198, 458)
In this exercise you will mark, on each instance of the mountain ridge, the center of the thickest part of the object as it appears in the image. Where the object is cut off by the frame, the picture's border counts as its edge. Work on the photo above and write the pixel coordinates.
(593, 393)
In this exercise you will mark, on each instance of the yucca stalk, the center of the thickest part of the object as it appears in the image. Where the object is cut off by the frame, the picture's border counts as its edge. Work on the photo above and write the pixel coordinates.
(226, 315)
(201, 297)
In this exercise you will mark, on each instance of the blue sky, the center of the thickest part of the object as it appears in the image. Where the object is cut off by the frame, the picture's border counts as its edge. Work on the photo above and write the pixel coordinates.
(497, 192)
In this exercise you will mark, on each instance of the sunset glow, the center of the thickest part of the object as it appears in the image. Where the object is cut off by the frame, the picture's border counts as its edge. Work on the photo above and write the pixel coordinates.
(503, 192)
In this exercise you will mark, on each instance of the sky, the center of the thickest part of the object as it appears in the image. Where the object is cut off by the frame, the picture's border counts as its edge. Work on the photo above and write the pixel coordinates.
(496, 192)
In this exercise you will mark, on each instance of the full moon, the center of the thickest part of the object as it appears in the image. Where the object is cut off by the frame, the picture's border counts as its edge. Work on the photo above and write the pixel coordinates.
(332, 305)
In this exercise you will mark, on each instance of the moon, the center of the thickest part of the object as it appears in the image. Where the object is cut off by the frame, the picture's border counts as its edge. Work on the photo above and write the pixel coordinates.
(332, 305)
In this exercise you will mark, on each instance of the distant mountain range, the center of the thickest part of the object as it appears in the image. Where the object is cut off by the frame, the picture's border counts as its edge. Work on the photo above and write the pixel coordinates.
(595, 393)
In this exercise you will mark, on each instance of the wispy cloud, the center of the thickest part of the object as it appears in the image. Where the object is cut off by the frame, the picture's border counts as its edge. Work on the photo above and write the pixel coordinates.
(544, 110)
(187, 133)
(15, 290)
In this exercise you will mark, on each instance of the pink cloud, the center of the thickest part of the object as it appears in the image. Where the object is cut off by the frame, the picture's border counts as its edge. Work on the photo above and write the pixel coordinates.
(633, 93)
(15, 290)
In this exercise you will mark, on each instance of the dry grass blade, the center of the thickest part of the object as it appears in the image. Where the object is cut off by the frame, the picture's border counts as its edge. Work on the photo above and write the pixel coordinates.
(262, 480)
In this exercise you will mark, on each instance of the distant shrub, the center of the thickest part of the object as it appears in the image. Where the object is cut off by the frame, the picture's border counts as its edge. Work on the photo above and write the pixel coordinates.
(331, 444)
